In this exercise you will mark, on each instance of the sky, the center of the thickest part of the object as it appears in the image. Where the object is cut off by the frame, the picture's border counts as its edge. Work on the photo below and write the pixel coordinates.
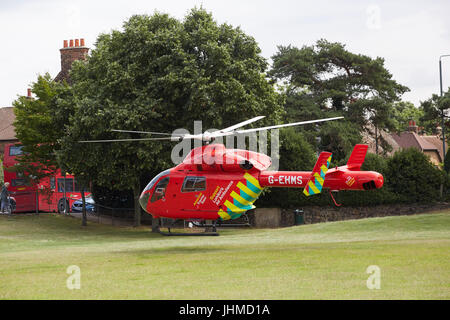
(409, 35)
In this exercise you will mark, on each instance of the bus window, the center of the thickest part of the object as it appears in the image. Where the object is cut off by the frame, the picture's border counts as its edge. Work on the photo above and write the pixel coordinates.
(19, 182)
(69, 185)
(15, 151)
(52, 183)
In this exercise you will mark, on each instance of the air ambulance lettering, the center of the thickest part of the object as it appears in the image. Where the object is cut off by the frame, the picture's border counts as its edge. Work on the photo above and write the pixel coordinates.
(220, 193)
(214, 193)
(200, 199)
(197, 199)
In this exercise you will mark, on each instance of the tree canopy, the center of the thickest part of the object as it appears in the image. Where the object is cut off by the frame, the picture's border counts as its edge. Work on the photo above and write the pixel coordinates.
(433, 109)
(325, 79)
(36, 127)
(404, 112)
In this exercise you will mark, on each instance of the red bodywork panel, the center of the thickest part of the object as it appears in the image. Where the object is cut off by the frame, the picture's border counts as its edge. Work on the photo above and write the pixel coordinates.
(335, 179)
(218, 183)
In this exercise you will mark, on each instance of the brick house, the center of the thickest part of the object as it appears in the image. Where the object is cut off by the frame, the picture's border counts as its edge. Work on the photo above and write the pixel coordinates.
(429, 145)
(7, 133)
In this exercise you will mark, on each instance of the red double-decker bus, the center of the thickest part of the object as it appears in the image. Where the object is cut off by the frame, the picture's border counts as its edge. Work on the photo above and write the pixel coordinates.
(47, 195)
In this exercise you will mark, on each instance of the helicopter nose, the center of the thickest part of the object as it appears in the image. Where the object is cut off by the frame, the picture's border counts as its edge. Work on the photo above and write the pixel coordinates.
(143, 200)
(379, 181)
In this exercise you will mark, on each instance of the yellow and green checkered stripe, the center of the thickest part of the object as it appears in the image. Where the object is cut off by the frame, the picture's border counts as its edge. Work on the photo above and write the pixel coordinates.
(241, 200)
(315, 183)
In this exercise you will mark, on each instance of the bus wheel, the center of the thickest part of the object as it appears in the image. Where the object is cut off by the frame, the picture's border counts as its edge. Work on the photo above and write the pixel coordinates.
(61, 206)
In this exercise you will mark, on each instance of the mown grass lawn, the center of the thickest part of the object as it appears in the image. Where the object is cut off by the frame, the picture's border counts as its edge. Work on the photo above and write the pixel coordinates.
(321, 261)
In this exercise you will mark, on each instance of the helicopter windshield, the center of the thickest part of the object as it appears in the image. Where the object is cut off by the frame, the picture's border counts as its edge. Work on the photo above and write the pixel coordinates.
(155, 179)
(160, 189)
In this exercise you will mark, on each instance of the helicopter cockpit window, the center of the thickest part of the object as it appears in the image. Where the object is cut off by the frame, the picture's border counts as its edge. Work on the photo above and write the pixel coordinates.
(160, 189)
(192, 184)
(152, 183)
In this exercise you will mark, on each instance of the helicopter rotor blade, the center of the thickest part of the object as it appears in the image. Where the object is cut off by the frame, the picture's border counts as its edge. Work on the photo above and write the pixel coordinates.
(241, 124)
(289, 125)
(208, 136)
(138, 139)
(220, 134)
(148, 132)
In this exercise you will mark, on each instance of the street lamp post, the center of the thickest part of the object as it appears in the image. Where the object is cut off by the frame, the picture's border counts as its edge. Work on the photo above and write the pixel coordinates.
(440, 82)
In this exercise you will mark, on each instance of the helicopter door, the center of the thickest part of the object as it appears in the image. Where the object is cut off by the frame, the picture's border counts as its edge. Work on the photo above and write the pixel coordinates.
(160, 190)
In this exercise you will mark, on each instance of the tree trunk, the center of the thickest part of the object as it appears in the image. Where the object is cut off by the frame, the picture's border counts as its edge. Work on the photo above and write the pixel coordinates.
(376, 140)
(137, 207)
(83, 216)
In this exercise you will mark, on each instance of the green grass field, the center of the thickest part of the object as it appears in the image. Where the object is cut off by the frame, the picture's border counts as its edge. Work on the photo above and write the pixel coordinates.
(321, 261)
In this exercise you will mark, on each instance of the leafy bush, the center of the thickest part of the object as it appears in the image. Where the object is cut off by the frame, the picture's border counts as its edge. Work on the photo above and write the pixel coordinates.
(413, 177)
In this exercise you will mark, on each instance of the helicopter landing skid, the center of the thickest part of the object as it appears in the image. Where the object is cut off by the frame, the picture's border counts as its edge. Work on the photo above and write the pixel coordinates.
(219, 224)
(187, 234)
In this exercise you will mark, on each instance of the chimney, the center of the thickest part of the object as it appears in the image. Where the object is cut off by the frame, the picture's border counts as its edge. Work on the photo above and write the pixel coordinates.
(73, 49)
(29, 93)
(413, 127)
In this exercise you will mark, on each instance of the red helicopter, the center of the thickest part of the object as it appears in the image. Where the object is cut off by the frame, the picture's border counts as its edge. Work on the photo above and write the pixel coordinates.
(219, 184)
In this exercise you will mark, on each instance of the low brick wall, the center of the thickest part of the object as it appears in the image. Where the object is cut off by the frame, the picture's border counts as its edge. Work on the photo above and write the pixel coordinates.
(275, 217)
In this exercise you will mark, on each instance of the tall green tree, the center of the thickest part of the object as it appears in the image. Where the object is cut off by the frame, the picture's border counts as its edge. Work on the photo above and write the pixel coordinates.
(434, 109)
(159, 74)
(403, 112)
(36, 129)
(326, 79)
